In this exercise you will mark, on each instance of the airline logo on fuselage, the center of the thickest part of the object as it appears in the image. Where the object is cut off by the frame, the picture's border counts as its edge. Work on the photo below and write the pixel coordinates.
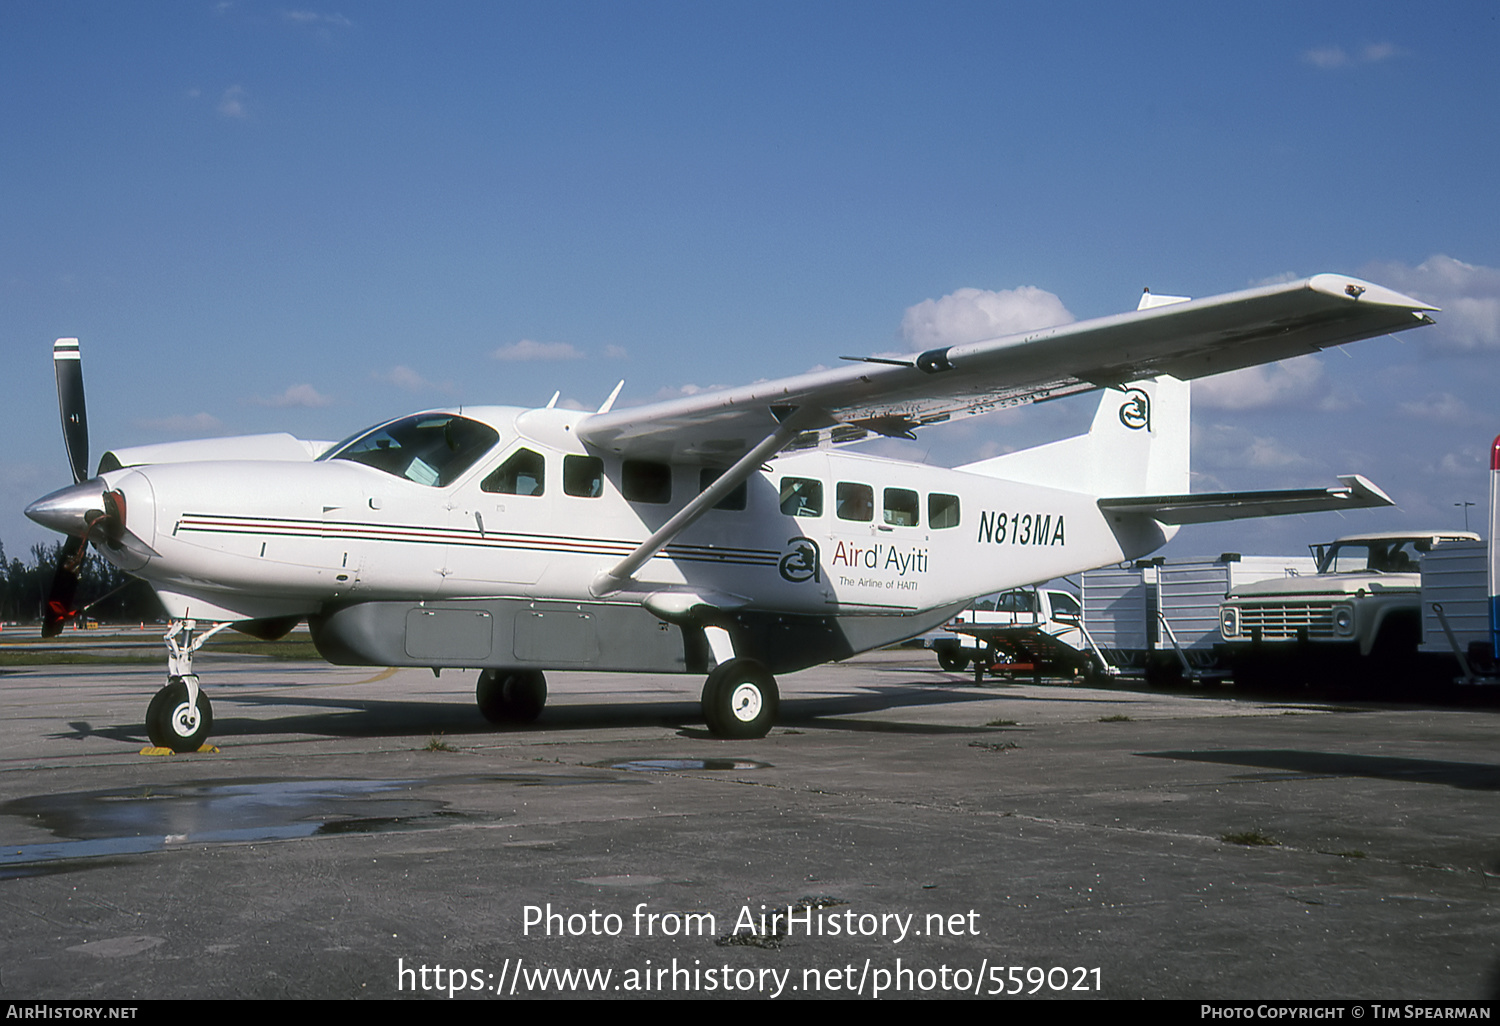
(1021, 528)
(801, 562)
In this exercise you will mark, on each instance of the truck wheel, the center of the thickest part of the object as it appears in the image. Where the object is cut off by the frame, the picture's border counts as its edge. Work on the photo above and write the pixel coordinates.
(952, 660)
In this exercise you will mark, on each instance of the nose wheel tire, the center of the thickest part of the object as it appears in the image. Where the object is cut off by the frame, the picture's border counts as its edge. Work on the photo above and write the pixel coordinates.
(172, 723)
(511, 696)
(740, 700)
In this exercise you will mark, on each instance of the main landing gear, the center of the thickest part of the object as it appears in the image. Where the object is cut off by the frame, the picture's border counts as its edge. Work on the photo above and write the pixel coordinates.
(511, 696)
(180, 715)
(740, 700)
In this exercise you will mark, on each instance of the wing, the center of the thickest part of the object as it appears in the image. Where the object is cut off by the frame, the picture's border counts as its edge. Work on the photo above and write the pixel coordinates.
(1186, 340)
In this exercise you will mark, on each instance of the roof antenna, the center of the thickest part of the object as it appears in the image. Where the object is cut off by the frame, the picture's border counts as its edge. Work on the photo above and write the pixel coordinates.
(612, 396)
(553, 401)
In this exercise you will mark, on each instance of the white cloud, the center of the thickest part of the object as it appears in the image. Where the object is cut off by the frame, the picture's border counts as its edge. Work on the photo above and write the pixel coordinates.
(296, 395)
(616, 352)
(527, 350)
(1443, 407)
(182, 424)
(1295, 382)
(682, 391)
(1276, 279)
(1468, 294)
(409, 380)
(1226, 446)
(1326, 57)
(317, 18)
(969, 315)
(232, 103)
(1333, 58)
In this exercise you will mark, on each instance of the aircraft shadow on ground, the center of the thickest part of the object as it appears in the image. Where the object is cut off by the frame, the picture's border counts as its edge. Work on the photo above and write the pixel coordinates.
(347, 716)
(1470, 776)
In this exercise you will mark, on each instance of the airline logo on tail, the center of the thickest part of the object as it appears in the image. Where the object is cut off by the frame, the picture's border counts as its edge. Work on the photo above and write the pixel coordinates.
(1136, 413)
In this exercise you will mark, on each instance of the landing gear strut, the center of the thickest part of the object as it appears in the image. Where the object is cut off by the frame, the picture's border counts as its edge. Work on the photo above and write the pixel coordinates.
(180, 715)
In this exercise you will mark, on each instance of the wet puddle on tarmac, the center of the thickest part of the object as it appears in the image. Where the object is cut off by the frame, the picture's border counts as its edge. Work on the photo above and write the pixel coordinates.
(137, 820)
(140, 820)
(680, 765)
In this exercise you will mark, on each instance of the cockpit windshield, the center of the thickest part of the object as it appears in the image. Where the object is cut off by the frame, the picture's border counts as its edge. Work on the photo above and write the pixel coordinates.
(429, 448)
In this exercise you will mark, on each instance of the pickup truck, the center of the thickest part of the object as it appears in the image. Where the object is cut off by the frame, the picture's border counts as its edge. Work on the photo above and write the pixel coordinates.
(1036, 627)
(1357, 619)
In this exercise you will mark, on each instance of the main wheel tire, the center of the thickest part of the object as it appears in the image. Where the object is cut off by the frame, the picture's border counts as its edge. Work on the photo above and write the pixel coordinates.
(511, 696)
(953, 660)
(740, 700)
(172, 723)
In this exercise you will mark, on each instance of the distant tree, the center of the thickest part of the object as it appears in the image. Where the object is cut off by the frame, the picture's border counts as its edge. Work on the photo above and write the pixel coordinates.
(106, 592)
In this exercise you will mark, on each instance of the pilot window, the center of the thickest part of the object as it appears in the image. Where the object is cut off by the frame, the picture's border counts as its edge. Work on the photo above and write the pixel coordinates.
(901, 507)
(646, 481)
(942, 510)
(524, 473)
(854, 502)
(430, 448)
(801, 497)
(583, 476)
(737, 495)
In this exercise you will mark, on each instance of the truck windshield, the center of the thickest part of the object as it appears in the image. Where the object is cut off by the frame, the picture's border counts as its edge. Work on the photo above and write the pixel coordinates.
(429, 448)
(1394, 556)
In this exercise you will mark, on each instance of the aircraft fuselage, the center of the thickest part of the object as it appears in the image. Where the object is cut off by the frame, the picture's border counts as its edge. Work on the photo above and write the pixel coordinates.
(818, 534)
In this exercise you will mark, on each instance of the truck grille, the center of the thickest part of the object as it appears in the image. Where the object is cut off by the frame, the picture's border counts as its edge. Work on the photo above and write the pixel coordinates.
(1283, 621)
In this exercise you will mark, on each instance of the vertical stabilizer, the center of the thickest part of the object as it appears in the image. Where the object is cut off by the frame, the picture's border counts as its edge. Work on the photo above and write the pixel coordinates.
(1138, 445)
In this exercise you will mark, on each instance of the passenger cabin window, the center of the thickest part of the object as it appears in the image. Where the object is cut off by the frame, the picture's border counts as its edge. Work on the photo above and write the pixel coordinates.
(646, 481)
(583, 476)
(901, 507)
(736, 498)
(854, 502)
(430, 448)
(523, 474)
(942, 510)
(801, 497)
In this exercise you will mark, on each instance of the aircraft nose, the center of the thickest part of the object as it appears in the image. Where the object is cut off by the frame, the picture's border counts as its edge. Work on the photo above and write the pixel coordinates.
(70, 510)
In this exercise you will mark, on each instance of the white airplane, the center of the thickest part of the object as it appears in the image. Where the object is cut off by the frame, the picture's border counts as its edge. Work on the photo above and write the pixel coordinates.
(724, 534)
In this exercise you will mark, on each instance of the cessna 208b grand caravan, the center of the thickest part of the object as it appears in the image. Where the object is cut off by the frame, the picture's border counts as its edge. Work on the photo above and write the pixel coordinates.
(725, 534)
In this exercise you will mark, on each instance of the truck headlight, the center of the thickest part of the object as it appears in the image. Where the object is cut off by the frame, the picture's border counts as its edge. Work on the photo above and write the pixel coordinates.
(1343, 620)
(1229, 622)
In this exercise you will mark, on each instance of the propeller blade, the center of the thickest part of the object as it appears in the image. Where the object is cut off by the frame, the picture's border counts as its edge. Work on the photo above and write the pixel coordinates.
(75, 421)
(59, 608)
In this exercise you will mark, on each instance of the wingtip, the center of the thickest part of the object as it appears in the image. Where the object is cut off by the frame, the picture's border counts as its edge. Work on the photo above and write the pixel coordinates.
(1360, 291)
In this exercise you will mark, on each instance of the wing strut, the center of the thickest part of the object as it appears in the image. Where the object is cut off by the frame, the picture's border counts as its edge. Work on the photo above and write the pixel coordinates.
(616, 578)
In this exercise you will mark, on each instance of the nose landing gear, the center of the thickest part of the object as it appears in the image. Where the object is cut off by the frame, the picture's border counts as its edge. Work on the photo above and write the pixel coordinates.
(180, 715)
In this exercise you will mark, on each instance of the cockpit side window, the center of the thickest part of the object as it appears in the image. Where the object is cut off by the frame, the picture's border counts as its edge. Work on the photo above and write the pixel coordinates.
(524, 473)
(431, 449)
(583, 476)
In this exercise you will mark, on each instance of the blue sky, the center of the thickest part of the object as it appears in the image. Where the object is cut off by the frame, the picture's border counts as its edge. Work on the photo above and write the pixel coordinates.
(261, 216)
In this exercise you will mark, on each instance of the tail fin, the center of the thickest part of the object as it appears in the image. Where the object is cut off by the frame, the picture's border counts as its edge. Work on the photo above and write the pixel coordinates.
(1137, 445)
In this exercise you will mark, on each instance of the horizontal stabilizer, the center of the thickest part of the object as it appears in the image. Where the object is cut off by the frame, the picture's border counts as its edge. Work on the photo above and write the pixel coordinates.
(1213, 507)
